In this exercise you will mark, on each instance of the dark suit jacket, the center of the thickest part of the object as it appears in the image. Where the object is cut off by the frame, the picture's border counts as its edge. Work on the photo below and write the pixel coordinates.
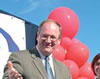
(30, 66)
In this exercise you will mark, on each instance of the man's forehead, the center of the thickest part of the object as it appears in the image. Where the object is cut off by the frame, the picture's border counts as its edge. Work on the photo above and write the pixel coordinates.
(51, 25)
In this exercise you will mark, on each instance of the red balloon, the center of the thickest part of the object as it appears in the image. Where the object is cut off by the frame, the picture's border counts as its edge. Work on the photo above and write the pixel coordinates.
(73, 67)
(59, 53)
(82, 78)
(67, 19)
(78, 52)
(86, 71)
(75, 41)
(66, 42)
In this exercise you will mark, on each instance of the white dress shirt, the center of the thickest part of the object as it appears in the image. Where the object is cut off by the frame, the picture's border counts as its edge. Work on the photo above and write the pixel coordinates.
(50, 60)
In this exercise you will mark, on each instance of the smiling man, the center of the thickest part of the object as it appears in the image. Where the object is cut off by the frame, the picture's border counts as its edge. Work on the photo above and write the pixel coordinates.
(33, 63)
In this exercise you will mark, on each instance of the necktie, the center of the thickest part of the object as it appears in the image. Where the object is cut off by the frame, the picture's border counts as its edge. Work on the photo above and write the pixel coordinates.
(48, 69)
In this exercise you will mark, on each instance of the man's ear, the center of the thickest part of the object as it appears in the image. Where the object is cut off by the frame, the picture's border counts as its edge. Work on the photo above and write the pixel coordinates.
(37, 35)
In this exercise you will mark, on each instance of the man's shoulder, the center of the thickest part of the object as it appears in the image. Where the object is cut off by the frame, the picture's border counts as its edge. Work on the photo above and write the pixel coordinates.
(21, 56)
(24, 53)
(20, 53)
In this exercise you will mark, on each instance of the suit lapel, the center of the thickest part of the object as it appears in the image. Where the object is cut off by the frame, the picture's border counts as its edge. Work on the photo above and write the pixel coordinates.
(56, 69)
(38, 63)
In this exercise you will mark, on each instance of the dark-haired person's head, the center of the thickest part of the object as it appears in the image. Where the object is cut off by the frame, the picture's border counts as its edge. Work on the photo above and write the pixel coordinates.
(96, 64)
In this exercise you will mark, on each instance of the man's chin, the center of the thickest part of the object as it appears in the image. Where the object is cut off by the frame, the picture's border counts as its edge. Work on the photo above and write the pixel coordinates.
(48, 51)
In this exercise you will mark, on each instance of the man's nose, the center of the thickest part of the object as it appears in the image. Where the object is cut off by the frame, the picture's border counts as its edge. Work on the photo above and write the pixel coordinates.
(48, 39)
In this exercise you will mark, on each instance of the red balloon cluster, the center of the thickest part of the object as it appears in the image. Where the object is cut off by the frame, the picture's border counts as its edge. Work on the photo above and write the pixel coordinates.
(71, 51)
(74, 69)
(79, 53)
(86, 71)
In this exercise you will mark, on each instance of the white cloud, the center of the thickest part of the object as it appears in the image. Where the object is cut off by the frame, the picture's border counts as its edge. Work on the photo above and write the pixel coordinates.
(28, 6)
(31, 5)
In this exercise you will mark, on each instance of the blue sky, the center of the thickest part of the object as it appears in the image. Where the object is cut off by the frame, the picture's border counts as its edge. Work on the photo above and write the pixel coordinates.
(88, 12)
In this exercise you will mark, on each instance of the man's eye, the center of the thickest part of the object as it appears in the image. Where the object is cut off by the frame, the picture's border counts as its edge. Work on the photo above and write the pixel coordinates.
(45, 36)
(53, 37)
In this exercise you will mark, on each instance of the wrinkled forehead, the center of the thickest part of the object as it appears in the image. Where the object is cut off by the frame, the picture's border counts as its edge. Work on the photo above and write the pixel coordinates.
(50, 26)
